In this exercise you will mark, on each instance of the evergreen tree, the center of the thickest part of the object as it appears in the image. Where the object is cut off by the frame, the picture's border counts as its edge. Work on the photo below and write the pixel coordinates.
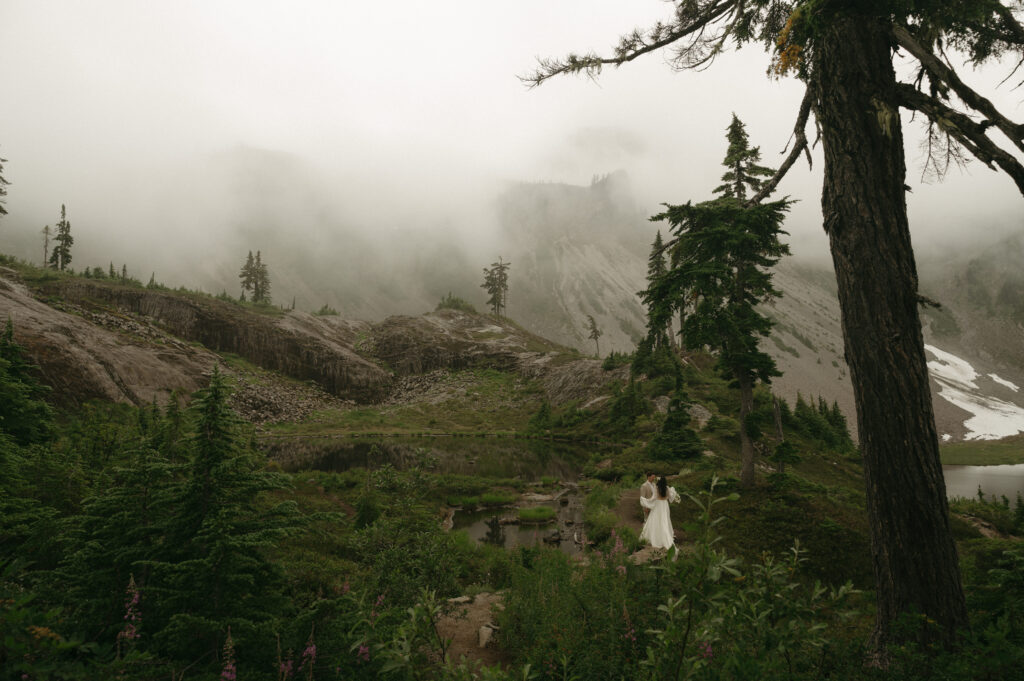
(3, 187)
(219, 574)
(496, 285)
(24, 414)
(742, 162)
(656, 269)
(594, 333)
(676, 440)
(47, 233)
(726, 249)
(60, 256)
(260, 281)
(247, 275)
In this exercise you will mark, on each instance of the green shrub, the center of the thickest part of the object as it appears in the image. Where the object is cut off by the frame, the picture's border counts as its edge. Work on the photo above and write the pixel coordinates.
(451, 302)
(326, 311)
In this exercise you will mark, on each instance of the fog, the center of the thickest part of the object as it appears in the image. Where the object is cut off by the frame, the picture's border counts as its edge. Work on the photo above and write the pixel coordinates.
(344, 139)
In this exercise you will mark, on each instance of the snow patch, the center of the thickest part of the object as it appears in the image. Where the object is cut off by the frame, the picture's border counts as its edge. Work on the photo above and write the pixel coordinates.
(991, 418)
(1003, 381)
(946, 437)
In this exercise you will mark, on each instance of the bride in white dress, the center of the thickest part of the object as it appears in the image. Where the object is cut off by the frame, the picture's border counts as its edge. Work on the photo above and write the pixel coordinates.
(658, 529)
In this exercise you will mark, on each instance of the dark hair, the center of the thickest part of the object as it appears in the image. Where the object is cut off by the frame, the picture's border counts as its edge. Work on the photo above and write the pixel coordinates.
(662, 487)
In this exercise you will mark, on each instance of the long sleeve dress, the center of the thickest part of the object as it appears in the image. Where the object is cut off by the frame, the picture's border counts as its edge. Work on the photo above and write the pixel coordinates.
(658, 529)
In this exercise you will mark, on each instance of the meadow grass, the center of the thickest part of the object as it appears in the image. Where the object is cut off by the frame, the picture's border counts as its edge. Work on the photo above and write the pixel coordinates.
(1009, 450)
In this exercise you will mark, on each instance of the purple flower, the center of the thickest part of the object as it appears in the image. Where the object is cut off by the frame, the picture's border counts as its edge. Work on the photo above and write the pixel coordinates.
(363, 654)
(704, 648)
(132, 614)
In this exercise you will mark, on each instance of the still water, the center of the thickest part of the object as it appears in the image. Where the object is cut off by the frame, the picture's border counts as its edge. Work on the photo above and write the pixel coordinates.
(486, 527)
(995, 481)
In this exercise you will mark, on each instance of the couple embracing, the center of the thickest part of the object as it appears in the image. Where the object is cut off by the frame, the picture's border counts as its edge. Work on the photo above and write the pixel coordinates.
(655, 496)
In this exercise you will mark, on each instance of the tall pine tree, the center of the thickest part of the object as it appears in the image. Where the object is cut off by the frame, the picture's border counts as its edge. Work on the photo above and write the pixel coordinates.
(60, 256)
(3, 187)
(741, 161)
(725, 249)
(247, 276)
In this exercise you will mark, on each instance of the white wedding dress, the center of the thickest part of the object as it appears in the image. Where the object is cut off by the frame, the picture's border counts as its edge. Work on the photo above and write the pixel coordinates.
(658, 529)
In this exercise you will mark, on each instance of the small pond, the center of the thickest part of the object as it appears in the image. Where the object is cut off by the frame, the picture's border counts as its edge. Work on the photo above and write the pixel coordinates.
(486, 526)
(995, 481)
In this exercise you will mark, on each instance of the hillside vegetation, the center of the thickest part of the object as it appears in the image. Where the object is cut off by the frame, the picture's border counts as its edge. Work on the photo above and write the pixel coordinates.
(163, 537)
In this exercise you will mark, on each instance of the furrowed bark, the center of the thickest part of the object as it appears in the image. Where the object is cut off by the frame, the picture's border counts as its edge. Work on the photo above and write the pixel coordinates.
(864, 207)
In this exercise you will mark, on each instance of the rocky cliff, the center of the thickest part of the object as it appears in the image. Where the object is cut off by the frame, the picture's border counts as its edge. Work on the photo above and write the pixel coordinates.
(101, 339)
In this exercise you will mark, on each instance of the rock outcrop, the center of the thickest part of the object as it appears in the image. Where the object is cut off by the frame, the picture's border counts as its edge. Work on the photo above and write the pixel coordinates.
(295, 344)
(100, 339)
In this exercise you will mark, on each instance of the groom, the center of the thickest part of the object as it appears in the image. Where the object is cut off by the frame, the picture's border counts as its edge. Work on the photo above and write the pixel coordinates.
(647, 490)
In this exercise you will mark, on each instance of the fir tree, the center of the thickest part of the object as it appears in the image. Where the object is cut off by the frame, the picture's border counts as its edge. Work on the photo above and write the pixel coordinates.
(247, 275)
(676, 440)
(656, 269)
(741, 160)
(260, 281)
(594, 333)
(725, 251)
(24, 414)
(3, 188)
(60, 256)
(496, 285)
(219, 573)
(47, 233)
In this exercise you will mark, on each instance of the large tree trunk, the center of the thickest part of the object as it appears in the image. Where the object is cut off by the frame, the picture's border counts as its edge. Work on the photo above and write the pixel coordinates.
(746, 446)
(864, 207)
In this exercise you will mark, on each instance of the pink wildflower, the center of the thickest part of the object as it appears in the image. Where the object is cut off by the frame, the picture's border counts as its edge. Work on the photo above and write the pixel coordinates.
(363, 654)
(228, 672)
(132, 615)
(704, 648)
(621, 569)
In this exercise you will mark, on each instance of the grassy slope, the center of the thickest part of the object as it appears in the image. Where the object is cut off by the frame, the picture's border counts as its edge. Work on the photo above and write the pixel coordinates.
(984, 452)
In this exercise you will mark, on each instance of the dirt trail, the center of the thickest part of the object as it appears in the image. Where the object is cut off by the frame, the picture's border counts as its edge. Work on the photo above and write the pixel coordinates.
(463, 627)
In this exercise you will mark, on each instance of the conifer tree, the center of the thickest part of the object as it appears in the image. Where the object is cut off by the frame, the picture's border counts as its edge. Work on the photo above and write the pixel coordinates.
(496, 285)
(24, 415)
(219, 574)
(47, 233)
(60, 256)
(594, 333)
(3, 188)
(260, 281)
(725, 249)
(656, 269)
(247, 275)
(741, 160)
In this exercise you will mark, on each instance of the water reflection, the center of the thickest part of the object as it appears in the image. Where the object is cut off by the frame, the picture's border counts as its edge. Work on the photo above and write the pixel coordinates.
(995, 481)
(486, 526)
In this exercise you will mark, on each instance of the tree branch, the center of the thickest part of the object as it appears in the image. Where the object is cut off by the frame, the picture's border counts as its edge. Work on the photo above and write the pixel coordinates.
(964, 130)
(938, 71)
(637, 44)
(800, 144)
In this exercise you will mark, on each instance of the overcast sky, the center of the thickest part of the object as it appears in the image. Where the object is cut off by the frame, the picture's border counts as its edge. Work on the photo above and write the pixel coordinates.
(116, 108)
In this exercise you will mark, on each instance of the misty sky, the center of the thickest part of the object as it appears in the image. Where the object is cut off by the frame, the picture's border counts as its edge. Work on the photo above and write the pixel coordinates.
(403, 112)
